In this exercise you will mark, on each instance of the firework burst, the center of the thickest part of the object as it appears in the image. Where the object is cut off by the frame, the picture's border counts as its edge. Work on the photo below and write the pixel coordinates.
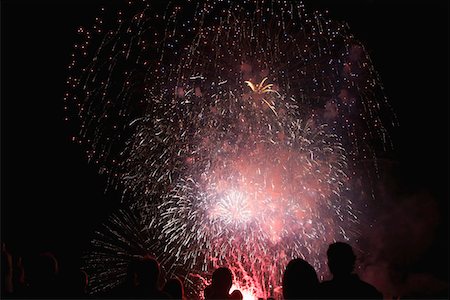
(231, 129)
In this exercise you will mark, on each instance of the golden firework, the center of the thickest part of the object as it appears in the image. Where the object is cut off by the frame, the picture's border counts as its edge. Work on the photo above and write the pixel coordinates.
(263, 89)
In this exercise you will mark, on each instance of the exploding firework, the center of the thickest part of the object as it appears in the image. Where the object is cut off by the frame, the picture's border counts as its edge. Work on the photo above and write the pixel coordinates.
(231, 129)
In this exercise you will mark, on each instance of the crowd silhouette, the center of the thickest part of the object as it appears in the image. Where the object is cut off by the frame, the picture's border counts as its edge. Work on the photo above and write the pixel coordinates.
(38, 277)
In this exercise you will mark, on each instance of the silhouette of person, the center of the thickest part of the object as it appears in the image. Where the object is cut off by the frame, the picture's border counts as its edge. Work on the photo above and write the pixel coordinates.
(7, 272)
(42, 276)
(236, 295)
(222, 280)
(300, 280)
(82, 282)
(345, 284)
(174, 288)
(127, 289)
(147, 273)
(76, 282)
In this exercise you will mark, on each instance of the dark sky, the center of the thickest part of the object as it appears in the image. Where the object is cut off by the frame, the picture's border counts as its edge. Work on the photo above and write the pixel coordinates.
(52, 199)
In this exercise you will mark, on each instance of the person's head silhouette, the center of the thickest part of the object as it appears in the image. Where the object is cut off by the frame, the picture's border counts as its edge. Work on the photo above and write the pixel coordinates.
(236, 295)
(43, 268)
(76, 282)
(341, 259)
(147, 272)
(222, 279)
(174, 288)
(299, 280)
(42, 275)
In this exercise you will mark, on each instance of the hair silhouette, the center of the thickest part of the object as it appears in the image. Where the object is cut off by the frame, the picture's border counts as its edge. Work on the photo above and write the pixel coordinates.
(300, 280)
(146, 273)
(236, 295)
(42, 275)
(341, 259)
(174, 288)
(222, 280)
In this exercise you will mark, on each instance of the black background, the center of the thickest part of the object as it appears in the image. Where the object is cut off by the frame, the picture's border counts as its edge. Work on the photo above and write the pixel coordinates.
(52, 199)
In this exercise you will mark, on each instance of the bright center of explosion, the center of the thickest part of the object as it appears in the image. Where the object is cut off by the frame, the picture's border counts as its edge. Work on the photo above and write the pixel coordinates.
(233, 209)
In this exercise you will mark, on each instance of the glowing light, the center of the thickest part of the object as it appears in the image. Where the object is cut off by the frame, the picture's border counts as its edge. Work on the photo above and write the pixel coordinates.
(261, 88)
(233, 208)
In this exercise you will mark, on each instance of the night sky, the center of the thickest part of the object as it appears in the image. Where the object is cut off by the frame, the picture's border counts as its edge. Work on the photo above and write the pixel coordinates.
(52, 199)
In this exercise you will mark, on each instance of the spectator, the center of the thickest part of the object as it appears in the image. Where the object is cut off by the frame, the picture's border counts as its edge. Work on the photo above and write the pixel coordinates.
(236, 295)
(300, 280)
(174, 288)
(7, 272)
(42, 276)
(76, 283)
(147, 273)
(222, 280)
(345, 284)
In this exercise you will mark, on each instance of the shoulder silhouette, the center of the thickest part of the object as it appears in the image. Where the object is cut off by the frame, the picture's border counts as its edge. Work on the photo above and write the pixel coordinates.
(345, 284)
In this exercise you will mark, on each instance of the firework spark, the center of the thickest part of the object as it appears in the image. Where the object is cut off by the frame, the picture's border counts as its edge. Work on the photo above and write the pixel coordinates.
(221, 169)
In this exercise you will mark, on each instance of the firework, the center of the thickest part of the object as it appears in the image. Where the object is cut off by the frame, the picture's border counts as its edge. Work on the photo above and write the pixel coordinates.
(231, 129)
